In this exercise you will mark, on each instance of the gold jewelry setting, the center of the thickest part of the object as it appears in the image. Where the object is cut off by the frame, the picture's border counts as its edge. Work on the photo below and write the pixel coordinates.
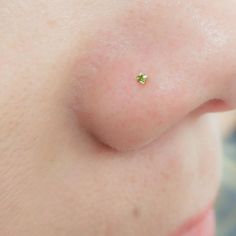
(142, 78)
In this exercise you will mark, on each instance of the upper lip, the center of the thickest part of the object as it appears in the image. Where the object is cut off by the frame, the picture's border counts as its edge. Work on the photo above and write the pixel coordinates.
(197, 219)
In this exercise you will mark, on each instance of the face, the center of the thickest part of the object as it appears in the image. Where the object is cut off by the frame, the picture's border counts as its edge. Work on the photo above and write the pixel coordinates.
(86, 149)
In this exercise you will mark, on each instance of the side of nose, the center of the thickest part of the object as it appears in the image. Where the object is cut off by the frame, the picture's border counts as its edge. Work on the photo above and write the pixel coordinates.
(190, 72)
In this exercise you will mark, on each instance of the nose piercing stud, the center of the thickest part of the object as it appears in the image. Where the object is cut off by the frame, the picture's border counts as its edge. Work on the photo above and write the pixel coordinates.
(142, 78)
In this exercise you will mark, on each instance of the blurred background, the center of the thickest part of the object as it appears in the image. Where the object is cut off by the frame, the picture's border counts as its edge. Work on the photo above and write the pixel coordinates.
(226, 202)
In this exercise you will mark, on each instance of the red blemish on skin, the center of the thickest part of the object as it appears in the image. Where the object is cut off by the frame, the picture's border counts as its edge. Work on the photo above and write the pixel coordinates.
(165, 176)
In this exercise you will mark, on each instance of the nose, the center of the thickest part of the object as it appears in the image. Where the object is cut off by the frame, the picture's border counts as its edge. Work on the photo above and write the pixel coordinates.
(190, 65)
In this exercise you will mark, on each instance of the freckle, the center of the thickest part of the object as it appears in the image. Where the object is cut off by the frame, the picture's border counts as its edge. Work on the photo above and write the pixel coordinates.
(52, 23)
(136, 212)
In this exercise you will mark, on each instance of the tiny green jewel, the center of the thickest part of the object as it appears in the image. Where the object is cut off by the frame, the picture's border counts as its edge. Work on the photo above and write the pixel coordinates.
(142, 78)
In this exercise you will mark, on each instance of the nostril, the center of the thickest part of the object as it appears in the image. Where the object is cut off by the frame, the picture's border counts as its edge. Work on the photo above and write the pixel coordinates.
(214, 105)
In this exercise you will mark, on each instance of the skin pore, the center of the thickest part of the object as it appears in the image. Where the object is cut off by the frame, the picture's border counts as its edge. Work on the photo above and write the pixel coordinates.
(85, 149)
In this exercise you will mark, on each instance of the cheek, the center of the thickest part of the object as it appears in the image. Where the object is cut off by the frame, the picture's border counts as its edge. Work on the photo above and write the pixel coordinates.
(109, 101)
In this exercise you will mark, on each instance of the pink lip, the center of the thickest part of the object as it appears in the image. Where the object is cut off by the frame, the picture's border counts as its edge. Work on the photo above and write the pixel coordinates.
(201, 225)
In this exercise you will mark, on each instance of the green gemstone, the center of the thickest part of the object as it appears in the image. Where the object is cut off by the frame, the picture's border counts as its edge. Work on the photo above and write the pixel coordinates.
(142, 78)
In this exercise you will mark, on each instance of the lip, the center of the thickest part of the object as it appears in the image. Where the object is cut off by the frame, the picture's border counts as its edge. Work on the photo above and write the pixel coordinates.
(200, 225)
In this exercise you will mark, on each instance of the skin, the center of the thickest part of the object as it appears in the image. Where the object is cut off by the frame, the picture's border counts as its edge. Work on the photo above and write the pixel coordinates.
(85, 149)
